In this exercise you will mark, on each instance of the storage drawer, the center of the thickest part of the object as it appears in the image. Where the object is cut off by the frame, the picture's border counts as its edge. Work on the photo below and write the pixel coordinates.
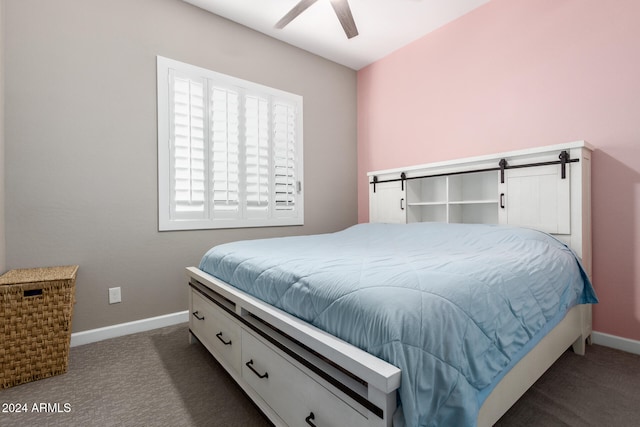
(217, 330)
(297, 398)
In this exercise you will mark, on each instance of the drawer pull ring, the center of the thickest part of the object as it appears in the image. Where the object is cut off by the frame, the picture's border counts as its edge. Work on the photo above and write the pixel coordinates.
(309, 418)
(249, 365)
(219, 335)
(195, 314)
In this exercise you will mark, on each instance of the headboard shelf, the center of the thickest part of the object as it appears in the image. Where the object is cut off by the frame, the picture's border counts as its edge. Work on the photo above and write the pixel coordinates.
(545, 188)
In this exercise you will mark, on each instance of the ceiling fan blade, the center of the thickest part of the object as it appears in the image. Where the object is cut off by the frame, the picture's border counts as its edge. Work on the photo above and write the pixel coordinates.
(343, 11)
(293, 13)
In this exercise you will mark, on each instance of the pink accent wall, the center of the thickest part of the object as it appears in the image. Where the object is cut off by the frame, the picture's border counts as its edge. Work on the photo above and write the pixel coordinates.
(515, 74)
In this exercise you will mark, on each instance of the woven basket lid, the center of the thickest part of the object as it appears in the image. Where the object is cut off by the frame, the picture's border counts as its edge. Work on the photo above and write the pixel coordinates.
(41, 274)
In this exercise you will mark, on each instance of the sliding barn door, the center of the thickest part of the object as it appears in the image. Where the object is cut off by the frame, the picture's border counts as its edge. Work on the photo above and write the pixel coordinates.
(387, 203)
(536, 197)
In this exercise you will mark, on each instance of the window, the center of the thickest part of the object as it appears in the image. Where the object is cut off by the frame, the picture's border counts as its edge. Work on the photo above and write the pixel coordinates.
(229, 151)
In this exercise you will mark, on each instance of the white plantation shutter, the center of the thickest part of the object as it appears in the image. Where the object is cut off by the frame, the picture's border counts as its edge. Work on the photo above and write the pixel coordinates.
(229, 151)
(284, 157)
(189, 156)
(225, 152)
(257, 175)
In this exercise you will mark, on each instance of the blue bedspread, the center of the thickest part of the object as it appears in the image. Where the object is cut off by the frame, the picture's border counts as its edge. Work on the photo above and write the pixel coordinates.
(451, 305)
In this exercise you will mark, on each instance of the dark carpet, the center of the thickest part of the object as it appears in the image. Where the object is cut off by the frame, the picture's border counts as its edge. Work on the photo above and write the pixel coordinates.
(157, 378)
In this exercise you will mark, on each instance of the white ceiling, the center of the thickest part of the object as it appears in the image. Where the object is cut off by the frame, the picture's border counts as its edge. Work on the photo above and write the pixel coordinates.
(384, 25)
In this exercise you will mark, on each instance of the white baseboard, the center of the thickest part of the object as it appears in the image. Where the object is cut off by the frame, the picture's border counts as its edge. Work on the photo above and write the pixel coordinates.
(624, 344)
(119, 330)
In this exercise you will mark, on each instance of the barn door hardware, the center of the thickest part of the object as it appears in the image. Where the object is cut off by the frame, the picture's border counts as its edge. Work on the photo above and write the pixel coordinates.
(503, 165)
(564, 158)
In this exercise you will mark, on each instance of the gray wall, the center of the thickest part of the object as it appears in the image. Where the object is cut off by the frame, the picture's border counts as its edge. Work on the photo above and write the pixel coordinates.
(81, 171)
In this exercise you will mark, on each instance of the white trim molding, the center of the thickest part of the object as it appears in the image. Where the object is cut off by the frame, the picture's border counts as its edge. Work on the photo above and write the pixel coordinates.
(122, 329)
(143, 325)
(619, 343)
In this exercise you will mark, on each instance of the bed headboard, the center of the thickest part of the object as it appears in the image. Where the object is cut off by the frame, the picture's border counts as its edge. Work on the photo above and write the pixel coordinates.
(545, 188)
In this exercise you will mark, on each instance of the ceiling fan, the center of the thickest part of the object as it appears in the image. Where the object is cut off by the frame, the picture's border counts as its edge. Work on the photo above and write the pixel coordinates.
(341, 7)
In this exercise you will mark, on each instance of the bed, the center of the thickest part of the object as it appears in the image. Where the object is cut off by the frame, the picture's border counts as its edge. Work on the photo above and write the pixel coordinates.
(416, 324)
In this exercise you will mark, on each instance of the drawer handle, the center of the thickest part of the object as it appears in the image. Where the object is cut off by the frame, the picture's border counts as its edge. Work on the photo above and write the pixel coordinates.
(219, 335)
(249, 365)
(309, 419)
(195, 314)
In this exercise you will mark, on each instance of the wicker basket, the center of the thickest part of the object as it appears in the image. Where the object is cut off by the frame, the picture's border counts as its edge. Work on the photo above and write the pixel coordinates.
(35, 323)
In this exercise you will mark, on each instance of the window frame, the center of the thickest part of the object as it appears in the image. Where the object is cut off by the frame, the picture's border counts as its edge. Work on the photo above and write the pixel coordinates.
(167, 220)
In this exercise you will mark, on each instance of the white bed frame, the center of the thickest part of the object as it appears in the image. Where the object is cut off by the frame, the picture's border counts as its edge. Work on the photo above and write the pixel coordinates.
(317, 379)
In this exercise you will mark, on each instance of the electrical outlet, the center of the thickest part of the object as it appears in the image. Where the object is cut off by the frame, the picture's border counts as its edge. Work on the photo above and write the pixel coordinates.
(114, 295)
